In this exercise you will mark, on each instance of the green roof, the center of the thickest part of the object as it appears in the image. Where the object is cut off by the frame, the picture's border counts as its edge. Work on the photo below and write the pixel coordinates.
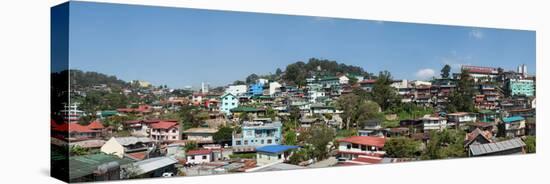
(245, 109)
(108, 113)
(330, 78)
(87, 164)
(486, 112)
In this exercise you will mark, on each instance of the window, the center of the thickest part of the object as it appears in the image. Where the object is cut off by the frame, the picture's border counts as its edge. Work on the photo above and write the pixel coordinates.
(355, 146)
(204, 157)
(348, 146)
(279, 156)
(245, 142)
(173, 130)
(192, 157)
(363, 148)
(238, 142)
(173, 137)
(269, 141)
(262, 141)
(233, 103)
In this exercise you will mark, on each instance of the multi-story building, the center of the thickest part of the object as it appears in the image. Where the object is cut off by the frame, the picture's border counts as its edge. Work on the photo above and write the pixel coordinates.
(361, 149)
(441, 90)
(273, 87)
(71, 112)
(461, 118)
(229, 101)
(514, 126)
(433, 123)
(256, 89)
(258, 133)
(165, 131)
(481, 74)
(519, 87)
(367, 84)
(236, 90)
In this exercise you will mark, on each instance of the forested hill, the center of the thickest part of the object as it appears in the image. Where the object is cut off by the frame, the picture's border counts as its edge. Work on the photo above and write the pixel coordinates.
(81, 79)
(298, 72)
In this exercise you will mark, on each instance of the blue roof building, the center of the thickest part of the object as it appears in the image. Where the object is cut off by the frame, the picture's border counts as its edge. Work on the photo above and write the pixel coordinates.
(267, 155)
(256, 89)
(275, 148)
(512, 119)
(514, 126)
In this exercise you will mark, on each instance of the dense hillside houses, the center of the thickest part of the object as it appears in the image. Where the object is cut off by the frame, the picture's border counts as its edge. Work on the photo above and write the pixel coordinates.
(312, 114)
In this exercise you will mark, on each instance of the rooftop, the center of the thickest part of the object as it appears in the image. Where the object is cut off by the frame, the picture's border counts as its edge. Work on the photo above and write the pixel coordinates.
(151, 164)
(365, 140)
(201, 130)
(131, 140)
(275, 148)
(86, 165)
(512, 119)
(482, 149)
(199, 152)
(163, 125)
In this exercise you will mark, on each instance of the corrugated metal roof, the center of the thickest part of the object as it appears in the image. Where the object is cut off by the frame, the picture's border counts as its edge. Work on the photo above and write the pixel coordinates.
(86, 165)
(482, 149)
(132, 140)
(151, 164)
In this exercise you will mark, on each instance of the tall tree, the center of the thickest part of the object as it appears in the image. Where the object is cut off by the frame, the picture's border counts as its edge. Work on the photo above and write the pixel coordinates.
(402, 147)
(278, 72)
(445, 71)
(461, 99)
(252, 78)
(383, 94)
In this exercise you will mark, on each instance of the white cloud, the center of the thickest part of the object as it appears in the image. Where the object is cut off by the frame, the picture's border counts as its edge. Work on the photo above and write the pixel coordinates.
(477, 34)
(425, 73)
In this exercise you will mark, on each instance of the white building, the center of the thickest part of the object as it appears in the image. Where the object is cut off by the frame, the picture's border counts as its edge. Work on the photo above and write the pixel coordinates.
(343, 79)
(199, 156)
(273, 154)
(434, 123)
(236, 90)
(273, 86)
(122, 145)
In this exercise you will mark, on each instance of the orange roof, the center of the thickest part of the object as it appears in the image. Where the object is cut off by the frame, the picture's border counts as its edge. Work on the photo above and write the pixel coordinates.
(163, 125)
(199, 152)
(75, 127)
(95, 125)
(138, 155)
(365, 140)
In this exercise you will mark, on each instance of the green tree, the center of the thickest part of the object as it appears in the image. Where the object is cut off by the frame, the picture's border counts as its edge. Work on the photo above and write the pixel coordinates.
(531, 144)
(191, 145)
(224, 134)
(278, 72)
(290, 138)
(461, 99)
(239, 82)
(252, 78)
(383, 94)
(348, 103)
(445, 71)
(445, 144)
(76, 150)
(319, 137)
(402, 147)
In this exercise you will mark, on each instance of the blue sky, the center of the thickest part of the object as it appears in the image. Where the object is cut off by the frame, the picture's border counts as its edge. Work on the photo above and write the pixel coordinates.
(180, 47)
